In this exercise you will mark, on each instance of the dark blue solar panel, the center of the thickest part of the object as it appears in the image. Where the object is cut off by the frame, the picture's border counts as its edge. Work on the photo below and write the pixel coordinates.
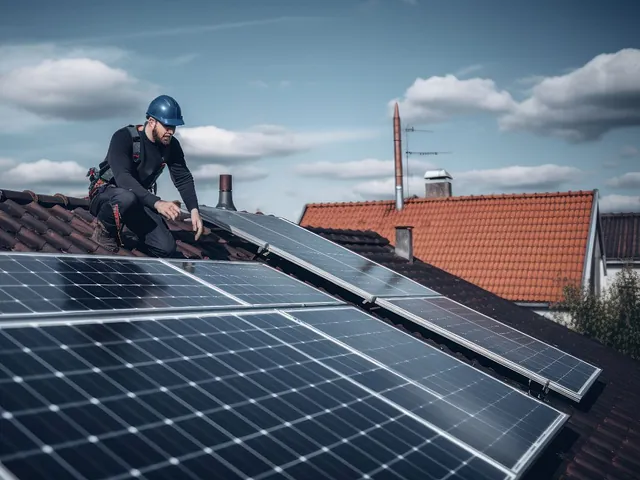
(247, 396)
(62, 284)
(256, 284)
(503, 423)
(327, 258)
(535, 359)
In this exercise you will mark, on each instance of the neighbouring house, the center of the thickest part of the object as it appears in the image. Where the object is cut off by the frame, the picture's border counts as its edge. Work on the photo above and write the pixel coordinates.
(621, 242)
(523, 247)
(601, 440)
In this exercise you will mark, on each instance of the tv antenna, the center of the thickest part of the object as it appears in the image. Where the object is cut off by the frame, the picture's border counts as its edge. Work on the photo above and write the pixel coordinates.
(408, 152)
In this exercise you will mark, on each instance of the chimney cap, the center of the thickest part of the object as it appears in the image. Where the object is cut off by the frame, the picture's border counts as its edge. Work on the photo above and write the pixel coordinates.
(439, 174)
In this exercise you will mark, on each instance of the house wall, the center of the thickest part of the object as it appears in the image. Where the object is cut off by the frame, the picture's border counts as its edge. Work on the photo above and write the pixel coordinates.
(613, 268)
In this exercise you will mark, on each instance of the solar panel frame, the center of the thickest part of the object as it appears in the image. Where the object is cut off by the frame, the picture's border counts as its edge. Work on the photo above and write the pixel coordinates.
(242, 316)
(214, 215)
(525, 461)
(233, 302)
(577, 396)
(291, 281)
(239, 304)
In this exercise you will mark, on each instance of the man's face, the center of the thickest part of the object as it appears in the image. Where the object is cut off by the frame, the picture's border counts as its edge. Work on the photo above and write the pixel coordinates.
(162, 133)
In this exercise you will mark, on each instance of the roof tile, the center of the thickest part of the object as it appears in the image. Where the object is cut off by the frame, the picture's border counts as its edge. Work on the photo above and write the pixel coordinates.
(522, 247)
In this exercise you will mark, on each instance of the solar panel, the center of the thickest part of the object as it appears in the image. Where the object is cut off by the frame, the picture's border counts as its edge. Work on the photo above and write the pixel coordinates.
(256, 284)
(327, 259)
(63, 284)
(506, 425)
(187, 397)
(536, 360)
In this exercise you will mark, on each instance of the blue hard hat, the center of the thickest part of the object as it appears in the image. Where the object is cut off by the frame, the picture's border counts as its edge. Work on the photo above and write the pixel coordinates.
(166, 110)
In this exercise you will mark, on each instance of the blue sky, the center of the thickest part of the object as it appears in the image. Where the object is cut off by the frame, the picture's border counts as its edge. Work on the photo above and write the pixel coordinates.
(294, 97)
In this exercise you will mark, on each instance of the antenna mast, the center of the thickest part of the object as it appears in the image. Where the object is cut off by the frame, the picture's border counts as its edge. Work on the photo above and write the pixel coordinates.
(408, 152)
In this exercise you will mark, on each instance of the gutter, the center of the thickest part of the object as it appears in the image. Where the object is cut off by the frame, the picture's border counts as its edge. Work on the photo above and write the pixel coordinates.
(533, 304)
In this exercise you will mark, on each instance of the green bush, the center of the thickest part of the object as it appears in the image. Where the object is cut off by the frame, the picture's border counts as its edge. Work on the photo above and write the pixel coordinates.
(612, 318)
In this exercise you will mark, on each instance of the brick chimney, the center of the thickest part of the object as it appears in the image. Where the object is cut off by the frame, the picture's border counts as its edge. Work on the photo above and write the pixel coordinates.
(437, 183)
(404, 242)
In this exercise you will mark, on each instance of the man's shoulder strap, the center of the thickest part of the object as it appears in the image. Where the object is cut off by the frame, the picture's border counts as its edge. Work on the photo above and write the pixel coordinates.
(135, 136)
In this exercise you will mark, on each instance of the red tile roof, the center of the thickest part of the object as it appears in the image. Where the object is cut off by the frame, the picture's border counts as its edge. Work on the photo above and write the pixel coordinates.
(59, 224)
(523, 247)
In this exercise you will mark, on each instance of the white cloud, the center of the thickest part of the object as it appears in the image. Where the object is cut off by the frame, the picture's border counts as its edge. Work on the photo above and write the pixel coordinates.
(45, 173)
(358, 169)
(437, 99)
(42, 83)
(509, 179)
(222, 146)
(584, 104)
(577, 106)
(619, 203)
(72, 89)
(629, 151)
(18, 56)
(628, 180)
(386, 189)
(6, 162)
(539, 178)
(210, 173)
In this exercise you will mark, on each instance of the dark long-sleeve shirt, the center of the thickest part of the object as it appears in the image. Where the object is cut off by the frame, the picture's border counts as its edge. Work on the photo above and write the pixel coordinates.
(126, 175)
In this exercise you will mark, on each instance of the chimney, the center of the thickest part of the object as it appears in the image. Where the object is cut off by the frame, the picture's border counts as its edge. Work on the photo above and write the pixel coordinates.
(397, 141)
(404, 243)
(225, 197)
(437, 183)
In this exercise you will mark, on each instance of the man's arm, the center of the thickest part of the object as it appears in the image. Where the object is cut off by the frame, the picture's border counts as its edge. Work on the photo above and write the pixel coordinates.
(120, 159)
(181, 176)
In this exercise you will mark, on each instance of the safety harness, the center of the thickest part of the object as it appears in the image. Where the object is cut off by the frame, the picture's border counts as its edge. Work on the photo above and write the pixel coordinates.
(102, 175)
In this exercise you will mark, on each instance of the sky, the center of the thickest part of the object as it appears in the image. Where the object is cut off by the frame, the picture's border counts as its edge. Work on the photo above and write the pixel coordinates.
(295, 98)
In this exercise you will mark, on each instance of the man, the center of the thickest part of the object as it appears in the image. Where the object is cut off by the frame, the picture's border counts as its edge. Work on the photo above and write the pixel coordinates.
(122, 193)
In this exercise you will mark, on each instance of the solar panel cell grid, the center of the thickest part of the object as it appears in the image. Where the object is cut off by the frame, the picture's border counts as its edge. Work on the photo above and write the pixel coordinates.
(63, 284)
(569, 373)
(185, 398)
(289, 239)
(479, 410)
(256, 283)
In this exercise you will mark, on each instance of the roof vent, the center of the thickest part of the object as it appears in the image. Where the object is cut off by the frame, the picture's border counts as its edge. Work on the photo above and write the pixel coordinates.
(404, 243)
(437, 183)
(225, 197)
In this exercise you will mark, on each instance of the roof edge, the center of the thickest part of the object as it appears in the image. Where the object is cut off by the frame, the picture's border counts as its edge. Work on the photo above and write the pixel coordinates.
(302, 214)
(27, 196)
(497, 196)
(591, 237)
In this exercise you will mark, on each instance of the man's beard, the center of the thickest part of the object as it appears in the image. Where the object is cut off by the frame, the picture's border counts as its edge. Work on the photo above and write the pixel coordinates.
(165, 140)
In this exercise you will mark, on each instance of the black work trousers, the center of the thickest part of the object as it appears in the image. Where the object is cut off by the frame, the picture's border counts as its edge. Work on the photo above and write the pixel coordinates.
(147, 224)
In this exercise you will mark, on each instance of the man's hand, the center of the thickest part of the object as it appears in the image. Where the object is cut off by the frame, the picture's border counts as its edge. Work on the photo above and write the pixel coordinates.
(167, 209)
(196, 222)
